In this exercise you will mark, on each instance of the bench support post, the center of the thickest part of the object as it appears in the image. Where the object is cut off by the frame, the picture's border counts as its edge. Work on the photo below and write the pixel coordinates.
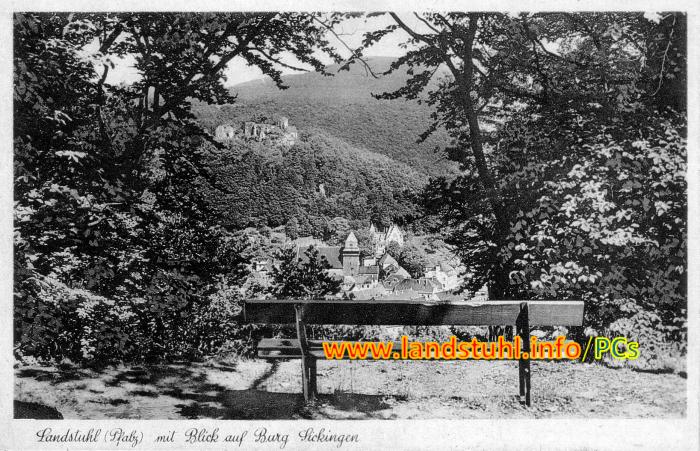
(308, 363)
(312, 377)
(523, 330)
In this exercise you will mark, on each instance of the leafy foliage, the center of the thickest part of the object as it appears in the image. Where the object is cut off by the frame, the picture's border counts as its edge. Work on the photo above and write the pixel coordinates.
(604, 221)
(271, 186)
(110, 180)
(410, 257)
(579, 190)
(307, 279)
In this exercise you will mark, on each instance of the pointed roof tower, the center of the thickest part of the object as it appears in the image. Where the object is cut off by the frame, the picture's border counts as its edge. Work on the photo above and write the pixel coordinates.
(351, 242)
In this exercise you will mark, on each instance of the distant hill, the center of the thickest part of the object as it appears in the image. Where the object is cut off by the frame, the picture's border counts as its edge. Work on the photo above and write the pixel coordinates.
(342, 105)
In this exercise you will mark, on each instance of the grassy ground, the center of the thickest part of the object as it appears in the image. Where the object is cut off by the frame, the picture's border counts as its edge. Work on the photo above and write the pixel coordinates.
(256, 389)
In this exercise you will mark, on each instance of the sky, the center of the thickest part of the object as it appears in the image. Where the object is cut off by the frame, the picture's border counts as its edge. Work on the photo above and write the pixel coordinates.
(351, 31)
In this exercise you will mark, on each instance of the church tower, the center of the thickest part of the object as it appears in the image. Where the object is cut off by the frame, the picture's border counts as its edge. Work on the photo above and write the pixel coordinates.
(351, 256)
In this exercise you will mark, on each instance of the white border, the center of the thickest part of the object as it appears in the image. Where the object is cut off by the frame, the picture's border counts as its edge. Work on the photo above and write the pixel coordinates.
(374, 434)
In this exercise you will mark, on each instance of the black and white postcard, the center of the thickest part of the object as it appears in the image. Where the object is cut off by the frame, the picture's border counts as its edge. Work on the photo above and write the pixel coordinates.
(349, 226)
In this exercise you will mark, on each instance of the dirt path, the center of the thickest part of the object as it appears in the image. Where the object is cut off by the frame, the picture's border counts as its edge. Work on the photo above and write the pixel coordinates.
(255, 389)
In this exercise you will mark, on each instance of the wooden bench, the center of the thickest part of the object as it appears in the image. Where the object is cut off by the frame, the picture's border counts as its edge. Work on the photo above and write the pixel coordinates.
(522, 314)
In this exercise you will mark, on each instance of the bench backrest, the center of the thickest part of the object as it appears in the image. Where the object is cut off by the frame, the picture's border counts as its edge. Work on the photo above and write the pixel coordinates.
(414, 313)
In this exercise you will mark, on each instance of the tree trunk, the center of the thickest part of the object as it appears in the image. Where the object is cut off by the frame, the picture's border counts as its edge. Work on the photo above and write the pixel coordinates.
(498, 283)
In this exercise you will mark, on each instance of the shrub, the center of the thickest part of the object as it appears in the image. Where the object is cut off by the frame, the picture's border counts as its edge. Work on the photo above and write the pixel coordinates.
(54, 322)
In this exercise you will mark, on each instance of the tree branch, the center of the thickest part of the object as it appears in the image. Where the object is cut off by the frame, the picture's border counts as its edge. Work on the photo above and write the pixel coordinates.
(240, 47)
(444, 21)
(410, 31)
(663, 60)
(107, 43)
(427, 24)
(355, 56)
(277, 60)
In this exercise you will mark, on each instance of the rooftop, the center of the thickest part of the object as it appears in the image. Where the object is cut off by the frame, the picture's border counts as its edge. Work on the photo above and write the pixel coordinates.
(331, 253)
(369, 269)
(418, 285)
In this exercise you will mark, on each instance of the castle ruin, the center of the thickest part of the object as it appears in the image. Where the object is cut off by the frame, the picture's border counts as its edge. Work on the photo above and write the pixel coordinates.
(280, 130)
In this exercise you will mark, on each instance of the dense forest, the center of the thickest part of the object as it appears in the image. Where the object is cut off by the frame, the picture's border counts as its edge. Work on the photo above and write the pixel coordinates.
(315, 180)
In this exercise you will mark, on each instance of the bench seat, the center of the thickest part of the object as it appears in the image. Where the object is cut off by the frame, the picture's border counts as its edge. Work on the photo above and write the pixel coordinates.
(523, 314)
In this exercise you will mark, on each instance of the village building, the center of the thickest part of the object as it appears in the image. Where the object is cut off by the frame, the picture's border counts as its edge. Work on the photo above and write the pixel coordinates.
(379, 277)
(414, 289)
(370, 293)
(391, 281)
(381, 239)
(262, 264)
(422, 286)
(351, 256)
(482, 294)
(344, 262)
(368, 277)
(445, 274)
(332, 255)
(261, 270)
(371, 261)
(390, 267)
(306, 241)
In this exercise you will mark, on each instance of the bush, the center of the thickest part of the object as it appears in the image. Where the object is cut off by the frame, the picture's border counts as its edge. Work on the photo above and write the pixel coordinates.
(592, 207)
(55, 322)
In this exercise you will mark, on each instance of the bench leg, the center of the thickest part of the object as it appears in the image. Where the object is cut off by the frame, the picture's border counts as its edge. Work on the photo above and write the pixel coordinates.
(524, 370)
(523, 327)
(308, 363)
(521, 377)
(527, 383)
(305, 379)
(313, 390)
(308, 378)
(312, 377)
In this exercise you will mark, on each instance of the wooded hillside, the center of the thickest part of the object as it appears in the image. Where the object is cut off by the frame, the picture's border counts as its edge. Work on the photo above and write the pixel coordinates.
(343, 106)
(317, 179)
